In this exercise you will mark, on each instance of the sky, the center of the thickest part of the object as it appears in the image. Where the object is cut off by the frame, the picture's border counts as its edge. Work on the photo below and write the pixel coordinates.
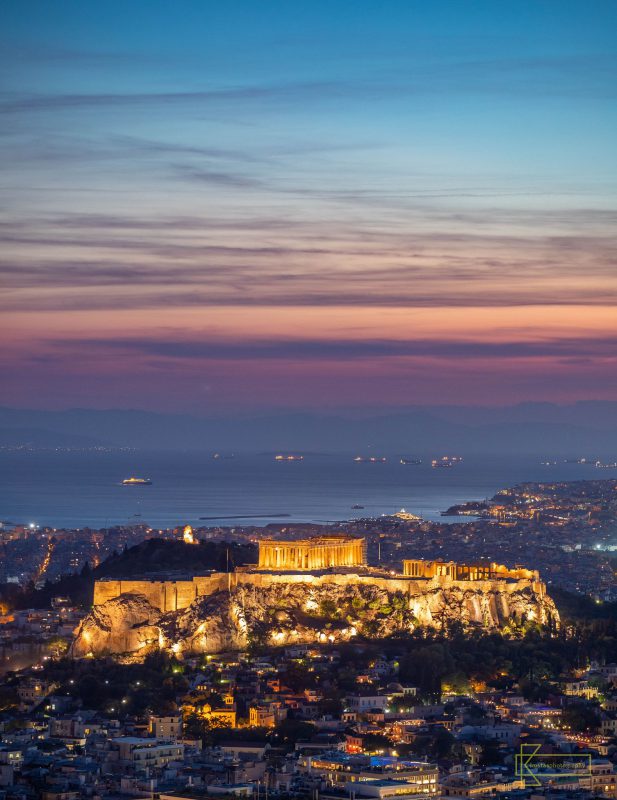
(226, 207)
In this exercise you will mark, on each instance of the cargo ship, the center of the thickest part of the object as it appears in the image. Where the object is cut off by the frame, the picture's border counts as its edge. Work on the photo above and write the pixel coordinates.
(445, 461)
(411, 460)
(137, 482)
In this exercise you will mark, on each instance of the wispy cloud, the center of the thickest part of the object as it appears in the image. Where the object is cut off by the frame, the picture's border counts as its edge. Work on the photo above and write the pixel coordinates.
(579, 76)
(208, 348)
(115, 261)
(295, 92)
(216, 177)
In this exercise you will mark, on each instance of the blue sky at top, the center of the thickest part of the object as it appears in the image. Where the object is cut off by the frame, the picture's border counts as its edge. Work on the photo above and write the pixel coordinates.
(346, 158)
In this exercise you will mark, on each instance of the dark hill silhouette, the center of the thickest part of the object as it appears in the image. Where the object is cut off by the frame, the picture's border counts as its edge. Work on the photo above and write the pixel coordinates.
(576, 608)
(162, 555)
(147, 558)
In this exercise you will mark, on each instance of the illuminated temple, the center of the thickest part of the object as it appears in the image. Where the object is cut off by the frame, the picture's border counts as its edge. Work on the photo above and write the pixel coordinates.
(481, 571)
(321, 552)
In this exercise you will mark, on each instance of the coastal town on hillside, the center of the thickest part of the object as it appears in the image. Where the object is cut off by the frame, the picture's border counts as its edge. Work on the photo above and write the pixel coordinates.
(566, 529)
(437, 713)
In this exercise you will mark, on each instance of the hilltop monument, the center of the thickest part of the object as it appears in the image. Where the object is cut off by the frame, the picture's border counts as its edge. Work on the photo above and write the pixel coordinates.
(301, 591)
(320, 552)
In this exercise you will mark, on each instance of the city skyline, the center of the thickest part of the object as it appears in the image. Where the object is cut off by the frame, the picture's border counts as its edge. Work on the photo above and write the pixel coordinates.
(261, 206)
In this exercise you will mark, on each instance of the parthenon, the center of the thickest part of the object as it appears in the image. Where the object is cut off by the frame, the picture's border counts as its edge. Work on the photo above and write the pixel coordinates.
(321, 552)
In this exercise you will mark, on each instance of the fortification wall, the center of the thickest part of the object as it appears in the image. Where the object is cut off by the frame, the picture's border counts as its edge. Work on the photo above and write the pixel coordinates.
(164, 595)
(265, 580)
(104, 591)
(216, 582)
(411, 586)
(176, 595)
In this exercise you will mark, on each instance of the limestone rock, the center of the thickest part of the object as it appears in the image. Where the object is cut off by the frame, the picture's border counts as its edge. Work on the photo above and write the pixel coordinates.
(124, 624)
(307, 612)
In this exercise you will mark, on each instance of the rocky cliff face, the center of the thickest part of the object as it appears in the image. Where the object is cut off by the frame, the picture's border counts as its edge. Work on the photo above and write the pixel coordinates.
(288, 613)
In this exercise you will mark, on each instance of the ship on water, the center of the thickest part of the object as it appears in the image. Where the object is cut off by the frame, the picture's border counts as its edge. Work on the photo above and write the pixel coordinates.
(136, 482)
(404, 460)
(407, 516)
(445, 461)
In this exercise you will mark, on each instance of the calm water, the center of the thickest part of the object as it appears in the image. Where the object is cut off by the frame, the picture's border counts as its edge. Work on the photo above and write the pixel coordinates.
(83, 489)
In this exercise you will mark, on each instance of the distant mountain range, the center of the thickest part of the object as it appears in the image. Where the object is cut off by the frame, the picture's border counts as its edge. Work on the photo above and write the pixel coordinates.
(43, 438)
(580, 429)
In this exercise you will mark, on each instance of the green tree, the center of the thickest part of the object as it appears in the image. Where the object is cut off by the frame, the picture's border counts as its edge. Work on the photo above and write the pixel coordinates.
(581, 718)
(290, 731)
(491, 754)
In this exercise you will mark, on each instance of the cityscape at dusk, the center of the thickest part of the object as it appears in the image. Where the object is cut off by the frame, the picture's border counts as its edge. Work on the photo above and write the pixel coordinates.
(308, 400)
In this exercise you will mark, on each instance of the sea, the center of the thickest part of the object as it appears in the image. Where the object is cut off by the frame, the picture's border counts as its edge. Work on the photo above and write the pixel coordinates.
(78, 489)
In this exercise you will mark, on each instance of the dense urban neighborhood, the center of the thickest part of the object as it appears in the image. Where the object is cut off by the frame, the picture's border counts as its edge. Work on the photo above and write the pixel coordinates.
(525, 711)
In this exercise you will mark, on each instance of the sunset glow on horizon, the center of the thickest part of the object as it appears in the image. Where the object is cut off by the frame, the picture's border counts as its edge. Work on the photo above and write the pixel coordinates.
(256, 206)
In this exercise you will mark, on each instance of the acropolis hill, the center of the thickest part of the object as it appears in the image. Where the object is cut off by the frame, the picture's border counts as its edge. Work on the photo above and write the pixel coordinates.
(302, 591)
